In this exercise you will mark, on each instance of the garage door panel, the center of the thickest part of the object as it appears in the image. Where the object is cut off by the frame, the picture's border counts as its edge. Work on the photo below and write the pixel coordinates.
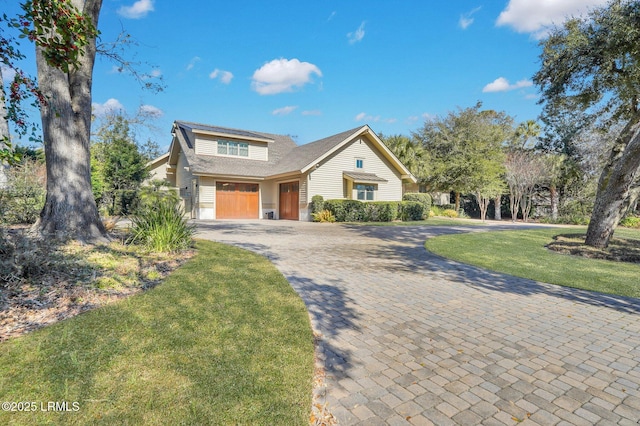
(237, 200)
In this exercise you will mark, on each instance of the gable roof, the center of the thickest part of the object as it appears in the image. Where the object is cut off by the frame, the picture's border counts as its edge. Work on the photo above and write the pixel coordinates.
(309, 154)
(284, 155)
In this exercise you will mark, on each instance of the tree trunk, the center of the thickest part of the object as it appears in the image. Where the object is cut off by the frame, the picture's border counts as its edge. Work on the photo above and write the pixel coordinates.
(514, 202)
(526, 203)
(497, 202)
(4, 133)
(553, 194)
(483, 203)
(457, 205)
(615, 187)
(70, 210)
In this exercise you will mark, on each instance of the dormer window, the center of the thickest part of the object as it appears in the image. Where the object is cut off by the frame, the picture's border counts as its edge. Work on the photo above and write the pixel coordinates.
(236, 149)
(359, 163)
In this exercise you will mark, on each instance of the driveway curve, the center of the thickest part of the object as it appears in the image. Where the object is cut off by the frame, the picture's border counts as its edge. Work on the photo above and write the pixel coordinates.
(407, 337)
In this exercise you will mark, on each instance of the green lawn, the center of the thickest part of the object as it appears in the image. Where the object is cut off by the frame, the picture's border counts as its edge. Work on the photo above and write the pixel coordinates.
(523, 254)
(432, 221)
(223, 340)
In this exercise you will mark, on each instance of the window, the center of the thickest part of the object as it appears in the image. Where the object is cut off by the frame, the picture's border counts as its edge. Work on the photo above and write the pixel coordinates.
(359, 163)
(236, 149)
(365, 192)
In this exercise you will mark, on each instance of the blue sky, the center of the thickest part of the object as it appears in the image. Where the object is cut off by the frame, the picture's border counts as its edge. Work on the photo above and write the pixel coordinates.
(311, 69)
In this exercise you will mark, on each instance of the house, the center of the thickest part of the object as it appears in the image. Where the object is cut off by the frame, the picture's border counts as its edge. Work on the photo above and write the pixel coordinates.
(224, 173)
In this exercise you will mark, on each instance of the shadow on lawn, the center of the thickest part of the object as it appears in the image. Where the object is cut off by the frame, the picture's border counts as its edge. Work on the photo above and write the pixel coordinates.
(326, 302)
(410, 255)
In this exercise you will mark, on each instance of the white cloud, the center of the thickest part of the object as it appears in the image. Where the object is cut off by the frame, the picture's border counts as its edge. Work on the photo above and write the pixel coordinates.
(466, 19)
(156, 73)
(193, 62)
(536, 16)
(284, 110)
(224, 76)
(137, 10)
(424, 116)
(501, 84)
(312, 112)
(357, 35)
(333, 15)
(283, 75)
(7, 74)
(151, 111)
(363, 116)
(111, 106)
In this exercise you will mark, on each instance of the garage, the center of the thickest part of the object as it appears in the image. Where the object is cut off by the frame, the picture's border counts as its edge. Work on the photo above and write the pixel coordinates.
(237, 200)
(289, 200)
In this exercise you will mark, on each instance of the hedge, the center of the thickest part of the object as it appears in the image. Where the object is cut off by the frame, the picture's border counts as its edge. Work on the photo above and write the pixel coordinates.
(412, 210)
(374, 211)
(422, 198)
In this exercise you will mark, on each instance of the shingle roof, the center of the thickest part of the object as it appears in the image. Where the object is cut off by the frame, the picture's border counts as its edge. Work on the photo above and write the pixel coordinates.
(364, 177)
(304, 155)
(229, 166)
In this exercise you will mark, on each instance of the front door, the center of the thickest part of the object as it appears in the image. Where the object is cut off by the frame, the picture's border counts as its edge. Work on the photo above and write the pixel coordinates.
(289, 201)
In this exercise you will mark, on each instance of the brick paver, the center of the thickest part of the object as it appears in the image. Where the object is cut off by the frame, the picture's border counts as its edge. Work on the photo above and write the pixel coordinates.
(406, 337)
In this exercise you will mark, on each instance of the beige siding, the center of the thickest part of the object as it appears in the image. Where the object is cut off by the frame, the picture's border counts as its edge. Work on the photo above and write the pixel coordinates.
(327, 179)
(158, 172)
(207, 186)
(209, 146)
(183, 177)
(206, 146)
(258, 151)
(269, 193)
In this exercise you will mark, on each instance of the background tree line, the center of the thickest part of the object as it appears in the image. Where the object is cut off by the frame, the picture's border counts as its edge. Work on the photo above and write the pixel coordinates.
(491, 164)
(118, 168)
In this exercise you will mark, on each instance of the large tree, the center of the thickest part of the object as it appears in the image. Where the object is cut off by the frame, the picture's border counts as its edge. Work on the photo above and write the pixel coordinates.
(64, 32)
(465, 150)
(591, 67)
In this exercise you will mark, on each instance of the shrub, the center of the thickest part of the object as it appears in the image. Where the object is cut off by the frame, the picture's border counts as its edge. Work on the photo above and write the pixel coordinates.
(157, 191)
(412, 210)
(161, 228)
(630, 222)
(345, 210)
(450, 213)
(436, 210)
(380, 211)
(422, 198)
(323, 216)
(23, 198)
(317, 204)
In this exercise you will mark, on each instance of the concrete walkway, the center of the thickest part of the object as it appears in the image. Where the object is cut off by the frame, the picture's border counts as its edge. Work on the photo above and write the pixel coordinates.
(411, 338)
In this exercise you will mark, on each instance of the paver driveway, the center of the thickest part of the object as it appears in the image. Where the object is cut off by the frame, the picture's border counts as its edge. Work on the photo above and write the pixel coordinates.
(410, 338)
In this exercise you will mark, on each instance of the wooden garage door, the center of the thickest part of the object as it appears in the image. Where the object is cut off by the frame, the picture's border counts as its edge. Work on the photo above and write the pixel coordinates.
(237, 200)
(289, 201)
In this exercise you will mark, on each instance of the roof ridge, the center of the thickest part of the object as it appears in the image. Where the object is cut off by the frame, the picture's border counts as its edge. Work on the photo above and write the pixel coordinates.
(227, 128)
(350, 131)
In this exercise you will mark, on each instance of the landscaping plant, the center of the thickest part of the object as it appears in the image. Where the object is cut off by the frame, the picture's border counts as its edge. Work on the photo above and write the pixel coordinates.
(162, 228)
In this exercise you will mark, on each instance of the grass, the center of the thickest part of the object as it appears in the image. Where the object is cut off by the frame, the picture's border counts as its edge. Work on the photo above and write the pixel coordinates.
(523, 254)
(432, 221)
(223, 340)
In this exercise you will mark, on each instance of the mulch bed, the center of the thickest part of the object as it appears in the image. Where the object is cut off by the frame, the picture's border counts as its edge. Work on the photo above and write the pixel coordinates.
(42, 282)
(619, 250)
